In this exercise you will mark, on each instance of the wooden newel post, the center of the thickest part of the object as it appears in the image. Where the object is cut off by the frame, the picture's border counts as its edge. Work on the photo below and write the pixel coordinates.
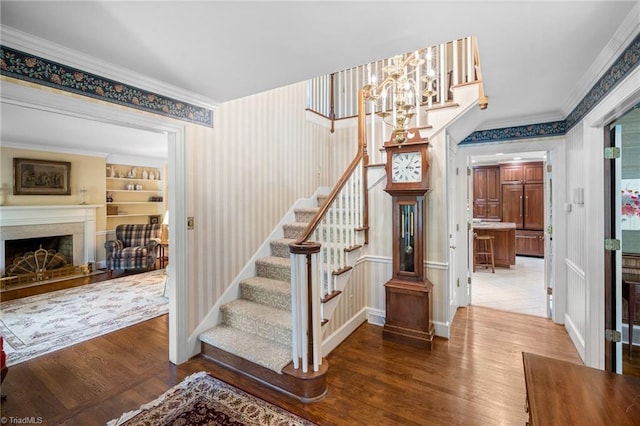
(308, 249)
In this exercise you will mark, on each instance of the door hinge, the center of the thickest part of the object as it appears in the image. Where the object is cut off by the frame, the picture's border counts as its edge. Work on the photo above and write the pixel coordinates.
(611, 153)
(549, 291)
(549, 168)
(612, 336)
(468, 280)
(457, 282)
(468, 171)
(457, 171)
(611, 244)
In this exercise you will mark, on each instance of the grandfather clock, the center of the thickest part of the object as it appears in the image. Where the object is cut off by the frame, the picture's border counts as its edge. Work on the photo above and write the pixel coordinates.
(409, 316)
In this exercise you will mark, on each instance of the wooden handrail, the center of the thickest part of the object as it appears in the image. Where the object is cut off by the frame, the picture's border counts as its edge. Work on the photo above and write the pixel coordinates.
(483, 101)
(361, 155)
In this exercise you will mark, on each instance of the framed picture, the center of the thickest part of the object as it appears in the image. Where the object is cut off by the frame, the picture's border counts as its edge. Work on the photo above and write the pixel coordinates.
(41, 177)
(154, 219)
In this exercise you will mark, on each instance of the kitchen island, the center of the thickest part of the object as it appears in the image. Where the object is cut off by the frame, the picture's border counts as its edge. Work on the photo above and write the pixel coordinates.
(504, 241)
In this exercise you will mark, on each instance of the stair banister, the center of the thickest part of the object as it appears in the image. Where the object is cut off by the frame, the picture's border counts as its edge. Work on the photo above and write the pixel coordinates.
(305, 316)
(483, 101)
(327, 230)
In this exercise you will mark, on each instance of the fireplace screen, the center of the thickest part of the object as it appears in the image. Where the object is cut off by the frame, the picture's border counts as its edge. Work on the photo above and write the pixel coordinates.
(35, 255)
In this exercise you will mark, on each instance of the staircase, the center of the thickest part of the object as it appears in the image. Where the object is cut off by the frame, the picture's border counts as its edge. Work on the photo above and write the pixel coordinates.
(273, 332)
(255, 333)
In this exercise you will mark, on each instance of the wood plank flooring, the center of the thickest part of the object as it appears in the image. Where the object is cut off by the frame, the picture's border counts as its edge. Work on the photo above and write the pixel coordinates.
(475, 378)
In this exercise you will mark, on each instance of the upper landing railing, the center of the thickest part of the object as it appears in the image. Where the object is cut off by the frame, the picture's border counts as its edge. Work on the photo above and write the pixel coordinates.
(335, 96)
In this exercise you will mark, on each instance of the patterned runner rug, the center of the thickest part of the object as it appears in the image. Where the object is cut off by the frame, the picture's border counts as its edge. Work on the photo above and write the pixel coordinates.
(36, 325)
(201, 399)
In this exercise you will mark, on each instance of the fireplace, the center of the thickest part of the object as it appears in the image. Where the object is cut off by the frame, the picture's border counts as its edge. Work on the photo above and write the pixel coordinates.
(74, 228)
(18, 254)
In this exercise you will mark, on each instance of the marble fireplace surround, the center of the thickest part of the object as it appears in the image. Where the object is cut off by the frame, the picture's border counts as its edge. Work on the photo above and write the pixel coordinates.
(17, 222)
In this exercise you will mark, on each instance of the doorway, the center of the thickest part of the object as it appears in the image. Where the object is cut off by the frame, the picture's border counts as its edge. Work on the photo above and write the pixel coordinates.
(540, 269)
(622, 189)
(501, 195)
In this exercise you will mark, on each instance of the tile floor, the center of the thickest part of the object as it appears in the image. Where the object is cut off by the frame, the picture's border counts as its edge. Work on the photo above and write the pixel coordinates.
(518, 289)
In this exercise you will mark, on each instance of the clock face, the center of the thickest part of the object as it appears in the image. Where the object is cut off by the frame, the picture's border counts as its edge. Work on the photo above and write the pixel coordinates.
(406, 167)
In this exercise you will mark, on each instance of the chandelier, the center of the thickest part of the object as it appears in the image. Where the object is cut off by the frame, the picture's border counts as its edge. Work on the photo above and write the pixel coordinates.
(408, 81)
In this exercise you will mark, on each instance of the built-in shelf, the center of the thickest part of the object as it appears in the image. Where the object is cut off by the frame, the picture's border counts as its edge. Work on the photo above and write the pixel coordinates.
(138, 199)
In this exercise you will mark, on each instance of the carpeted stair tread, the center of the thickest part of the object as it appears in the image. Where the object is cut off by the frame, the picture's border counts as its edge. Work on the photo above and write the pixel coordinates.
(267, 291)
(294, 229)
(262, 320)
(274, 267)
(256, 349)
(306, 214)
(280, 247)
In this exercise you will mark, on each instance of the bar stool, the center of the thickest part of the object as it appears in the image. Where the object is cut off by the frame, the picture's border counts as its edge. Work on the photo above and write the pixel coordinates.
(483, 252)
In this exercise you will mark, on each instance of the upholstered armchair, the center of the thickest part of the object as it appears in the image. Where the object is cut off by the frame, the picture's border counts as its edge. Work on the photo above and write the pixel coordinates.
(135, 247)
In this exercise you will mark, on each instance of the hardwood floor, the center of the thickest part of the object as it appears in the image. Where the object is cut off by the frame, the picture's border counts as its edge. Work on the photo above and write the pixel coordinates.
(475, 378)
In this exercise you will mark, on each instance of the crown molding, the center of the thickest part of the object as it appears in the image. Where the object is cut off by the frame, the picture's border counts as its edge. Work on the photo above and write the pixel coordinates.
(20, 40)
(47, 148)
(622, 38)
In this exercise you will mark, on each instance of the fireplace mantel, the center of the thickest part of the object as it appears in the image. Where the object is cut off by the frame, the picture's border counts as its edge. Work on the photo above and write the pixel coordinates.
(27, 221)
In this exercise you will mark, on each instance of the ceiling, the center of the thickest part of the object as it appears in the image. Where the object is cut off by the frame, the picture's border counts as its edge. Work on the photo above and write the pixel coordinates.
(536, 57)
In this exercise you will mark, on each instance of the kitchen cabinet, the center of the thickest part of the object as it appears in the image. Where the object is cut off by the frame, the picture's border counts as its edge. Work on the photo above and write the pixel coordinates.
(504, 250)
(522, 172)
(486, 193)
(523, 204)
(529, 243)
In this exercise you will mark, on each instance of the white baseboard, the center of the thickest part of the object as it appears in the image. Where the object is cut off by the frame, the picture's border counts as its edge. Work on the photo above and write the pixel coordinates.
(376, 316)
(332, 342)
(576, 338)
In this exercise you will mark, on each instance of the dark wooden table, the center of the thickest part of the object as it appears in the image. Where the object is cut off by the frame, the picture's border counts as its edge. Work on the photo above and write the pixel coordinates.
(162, 253)
(631, 291)
(564, 393)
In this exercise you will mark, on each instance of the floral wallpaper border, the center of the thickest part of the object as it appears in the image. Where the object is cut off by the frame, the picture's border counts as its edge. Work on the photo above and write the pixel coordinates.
(617, 72)
(626, 62)
(555, 128)
(27, 67)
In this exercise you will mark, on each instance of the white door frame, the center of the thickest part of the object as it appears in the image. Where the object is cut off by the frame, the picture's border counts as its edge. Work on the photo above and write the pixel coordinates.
(454, 230)
(29, 97)
(554, 144)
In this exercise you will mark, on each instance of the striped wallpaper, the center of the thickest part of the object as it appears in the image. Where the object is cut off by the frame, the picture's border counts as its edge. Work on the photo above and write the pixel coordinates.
(244, 174)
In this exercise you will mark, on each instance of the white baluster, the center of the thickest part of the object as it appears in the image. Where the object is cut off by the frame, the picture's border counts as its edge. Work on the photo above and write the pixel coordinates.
(304, 315)
(294, 311)
(315, 311)
(443, 84)
(470, 63)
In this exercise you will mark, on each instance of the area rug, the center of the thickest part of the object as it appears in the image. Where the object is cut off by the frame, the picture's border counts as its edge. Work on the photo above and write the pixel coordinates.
(36, 325)
(201, 399)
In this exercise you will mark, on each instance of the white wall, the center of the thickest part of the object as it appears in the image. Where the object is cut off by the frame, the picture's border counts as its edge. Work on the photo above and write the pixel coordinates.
(585, 225)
